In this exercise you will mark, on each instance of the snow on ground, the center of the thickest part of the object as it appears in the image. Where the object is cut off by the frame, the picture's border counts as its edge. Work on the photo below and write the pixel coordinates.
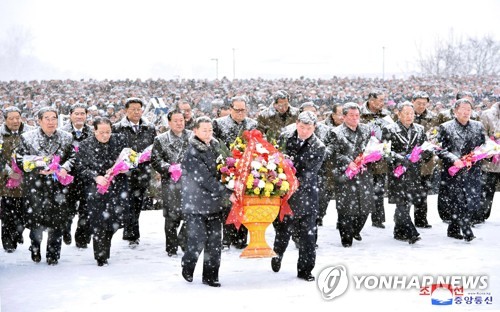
(145, 279)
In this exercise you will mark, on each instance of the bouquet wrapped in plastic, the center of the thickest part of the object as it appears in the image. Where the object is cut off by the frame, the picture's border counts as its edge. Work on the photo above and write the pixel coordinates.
(373, 152)
(416, 155)
(127, 160)
(31, 163)
(487, 150)
(13, 183)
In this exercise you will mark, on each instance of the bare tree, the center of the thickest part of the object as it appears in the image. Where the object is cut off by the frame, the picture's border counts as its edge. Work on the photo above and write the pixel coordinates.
(455, 56)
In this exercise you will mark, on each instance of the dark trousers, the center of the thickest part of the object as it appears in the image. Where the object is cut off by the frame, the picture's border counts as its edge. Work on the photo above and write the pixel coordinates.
(102, 243)
(420, 213)
(12, 221)
(204, 233)
(231, 235)
(54, 241)
(378, 213)
(83, 231)
(172, 239)
(131, 228)
(461, 215)
(350, 225)
(404, 227)
(304, 228)
(490, 181)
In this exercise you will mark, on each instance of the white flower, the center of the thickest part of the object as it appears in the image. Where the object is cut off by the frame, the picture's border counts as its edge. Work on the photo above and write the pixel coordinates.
(230, 184)
(260, 149)
(282, 176)
(256, 165)
(261, 184)
(271, 166)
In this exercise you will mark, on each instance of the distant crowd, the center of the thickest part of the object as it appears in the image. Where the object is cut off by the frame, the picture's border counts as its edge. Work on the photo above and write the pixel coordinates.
(209, 97)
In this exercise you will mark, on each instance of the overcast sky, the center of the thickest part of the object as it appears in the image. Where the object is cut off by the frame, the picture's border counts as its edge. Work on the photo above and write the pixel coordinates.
(181, 39)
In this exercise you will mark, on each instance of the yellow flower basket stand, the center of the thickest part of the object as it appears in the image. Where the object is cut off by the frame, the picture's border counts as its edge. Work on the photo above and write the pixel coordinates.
(259, 212)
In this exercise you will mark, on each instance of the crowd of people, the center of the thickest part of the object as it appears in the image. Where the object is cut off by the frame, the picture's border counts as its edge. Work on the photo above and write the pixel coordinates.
(323, 125)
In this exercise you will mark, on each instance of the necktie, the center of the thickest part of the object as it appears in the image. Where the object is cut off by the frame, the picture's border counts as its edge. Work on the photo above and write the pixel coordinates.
(78, 134)
(136, 128)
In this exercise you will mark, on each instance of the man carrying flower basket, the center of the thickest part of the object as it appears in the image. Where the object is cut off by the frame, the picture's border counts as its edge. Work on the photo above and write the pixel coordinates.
(307, 152)
(202, 193)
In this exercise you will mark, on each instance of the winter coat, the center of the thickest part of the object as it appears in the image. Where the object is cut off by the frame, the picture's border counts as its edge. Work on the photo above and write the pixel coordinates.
(307, 159)
(271, 123)
(491, 122)
(45, 199)
(202, 192)
(106, 211)
(226, 129)
(448, 114)
(429, 121)
(408, 187)
(9, 142)
(140, 177)
(376, 121)
(347, 145)
(456, 141)
(169, 149)
(76, 188)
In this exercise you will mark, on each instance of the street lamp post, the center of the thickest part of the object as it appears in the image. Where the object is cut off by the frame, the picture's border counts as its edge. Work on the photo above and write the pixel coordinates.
(234, 64)
(216, 67)
(383, 63)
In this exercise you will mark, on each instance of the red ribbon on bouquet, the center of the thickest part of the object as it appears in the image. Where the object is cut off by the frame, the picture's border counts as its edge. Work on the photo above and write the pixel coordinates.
(253, 137)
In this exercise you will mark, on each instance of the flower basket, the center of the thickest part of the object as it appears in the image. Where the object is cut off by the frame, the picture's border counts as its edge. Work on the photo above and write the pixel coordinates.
(259, 212)
(262, 180)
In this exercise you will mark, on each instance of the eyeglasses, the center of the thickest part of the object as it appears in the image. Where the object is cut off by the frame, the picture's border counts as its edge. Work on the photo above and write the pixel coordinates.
(240, 110)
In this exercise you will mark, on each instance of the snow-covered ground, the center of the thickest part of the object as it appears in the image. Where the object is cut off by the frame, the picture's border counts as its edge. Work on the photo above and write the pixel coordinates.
(145, 279)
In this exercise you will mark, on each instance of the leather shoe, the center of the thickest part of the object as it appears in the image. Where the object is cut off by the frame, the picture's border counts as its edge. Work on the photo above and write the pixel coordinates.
(35, 255)
(378, 225)
(424, 226)
(346, 245)
(67, 238)
(171, 253)
(456, 235)
(276, 264)
(357, 237)
(414, 239)
(469, 238)
(102, 263)
(188, 276)
(211, 283)
(400, 238)
(51, 261)
(306, 277)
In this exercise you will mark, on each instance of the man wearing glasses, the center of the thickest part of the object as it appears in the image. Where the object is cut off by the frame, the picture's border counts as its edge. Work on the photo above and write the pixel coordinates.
(226, 129)
(277, 116)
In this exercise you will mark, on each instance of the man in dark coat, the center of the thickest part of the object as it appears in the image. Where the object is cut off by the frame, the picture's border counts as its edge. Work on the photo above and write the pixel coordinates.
(47, 207)
(106, 212)
(459, 137)
(202, 193)
(11, 211)
(376, 116)
(169, 149)
(406, 189)
(354, 196)
(226, 129)
(427, 119)
(80, 131)
(307, 153)
(139, 134)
